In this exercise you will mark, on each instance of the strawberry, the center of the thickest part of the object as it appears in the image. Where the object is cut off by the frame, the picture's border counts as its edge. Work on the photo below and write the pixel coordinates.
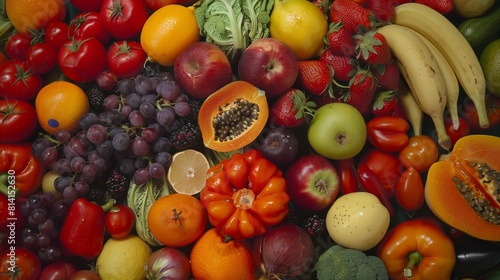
(351, 14)
(362, 88)
(387, 76)
(291, 109)
(442, 6)
(343, 66)
(384, 103)
(339, 39)
(315, 77)
(322, 5)
(372, 47)
(399, 2)
(383, 10)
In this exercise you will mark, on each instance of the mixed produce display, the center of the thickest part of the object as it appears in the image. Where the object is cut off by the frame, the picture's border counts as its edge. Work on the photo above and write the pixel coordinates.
(249, 139)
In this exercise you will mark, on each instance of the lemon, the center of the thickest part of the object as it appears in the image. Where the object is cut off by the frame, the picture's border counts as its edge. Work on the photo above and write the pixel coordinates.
(188, 172)
(123, 259)
(167, 32)
(301, 25)
(490, 63)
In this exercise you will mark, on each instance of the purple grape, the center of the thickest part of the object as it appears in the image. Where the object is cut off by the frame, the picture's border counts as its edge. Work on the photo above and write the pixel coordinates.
(25, 208)
(39, 215)
(151, 98)
(136, 119)
(162, 144)
(164, 158)
(168, 89)
(143, 85)
(126, 110)
(70, 194)
(42, 240)
(126, 166)
(147, 110)
(35, 201)
(139, 147)
(78, 146)
(82, 188)
(133, 100)
(61, 166)
(46, 226)
(49, 156)
(77, 164)
(111, 118)
(158, 127)
(97, 134)
(126, 86)
(121, 141)
(87, 120)
(101, 164)
(141, 176)
(149, 134)
(181, 98)
(60, 209)
(115, 130)
(89, 170)
(48, 198)
(39, 145)
(29, 240)
(105, 149)
(111, 102)
(62, 182)
(156, 170)
(182, 108)
(165, 116)
(62, 136)
(50, 253)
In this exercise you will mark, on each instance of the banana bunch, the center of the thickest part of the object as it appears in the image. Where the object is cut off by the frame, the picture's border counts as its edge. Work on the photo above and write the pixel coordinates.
(434, 60)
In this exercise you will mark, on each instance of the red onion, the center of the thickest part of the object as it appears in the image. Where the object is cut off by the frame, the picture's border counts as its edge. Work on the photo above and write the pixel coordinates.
(168, 263)
(284, 251)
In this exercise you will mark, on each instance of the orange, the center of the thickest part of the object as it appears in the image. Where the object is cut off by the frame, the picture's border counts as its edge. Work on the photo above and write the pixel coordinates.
(212, 258)
(167, 32)
(59, 106)
(177, 220)
(26, 15)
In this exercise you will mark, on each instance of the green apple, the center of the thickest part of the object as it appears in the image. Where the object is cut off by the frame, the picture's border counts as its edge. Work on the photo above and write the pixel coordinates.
(337, 131)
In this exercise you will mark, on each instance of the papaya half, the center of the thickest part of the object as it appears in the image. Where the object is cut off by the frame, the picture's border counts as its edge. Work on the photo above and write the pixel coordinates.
(463, 187)
(233, 116)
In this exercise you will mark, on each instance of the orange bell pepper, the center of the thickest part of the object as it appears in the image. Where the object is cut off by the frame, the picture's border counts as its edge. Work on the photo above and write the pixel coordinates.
(244, 195)
(418, 250)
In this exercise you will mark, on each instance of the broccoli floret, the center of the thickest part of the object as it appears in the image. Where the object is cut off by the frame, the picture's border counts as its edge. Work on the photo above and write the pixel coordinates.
(340, 263)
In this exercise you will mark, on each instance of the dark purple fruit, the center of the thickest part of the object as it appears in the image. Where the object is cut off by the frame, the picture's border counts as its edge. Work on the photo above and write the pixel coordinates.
(278, 144)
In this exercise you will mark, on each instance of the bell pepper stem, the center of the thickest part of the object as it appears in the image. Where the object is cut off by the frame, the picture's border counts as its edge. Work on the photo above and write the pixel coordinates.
(108, 205)
(414, 258)
(4, 185)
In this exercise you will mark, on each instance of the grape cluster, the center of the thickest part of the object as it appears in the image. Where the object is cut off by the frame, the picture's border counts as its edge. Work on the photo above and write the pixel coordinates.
(44, 215)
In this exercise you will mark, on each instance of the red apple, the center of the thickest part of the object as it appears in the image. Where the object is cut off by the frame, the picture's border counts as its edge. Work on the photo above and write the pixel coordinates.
(269, 65)
(201, 69)
(312, 182)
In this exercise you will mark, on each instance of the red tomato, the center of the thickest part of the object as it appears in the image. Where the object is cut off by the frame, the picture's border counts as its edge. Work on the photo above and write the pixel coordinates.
(20, 264)
(85, 275)
(17, 81)
(82, 60)
(18, 120)
(41, 57)
(86, 25)
(3, 58)
(386, 166)
(17, 45)
(56, 33)
(87, 5)
(58, 271)
(455, 134)
(123, 19)
(126, 59)
(120, 221)
(409, 190)
(493, 111)
(420, 153)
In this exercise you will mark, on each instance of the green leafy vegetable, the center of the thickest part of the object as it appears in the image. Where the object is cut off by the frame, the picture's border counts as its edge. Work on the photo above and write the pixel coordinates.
(6, 27)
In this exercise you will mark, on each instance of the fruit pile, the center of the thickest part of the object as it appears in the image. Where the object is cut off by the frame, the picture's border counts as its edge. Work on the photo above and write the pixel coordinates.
(145, 139)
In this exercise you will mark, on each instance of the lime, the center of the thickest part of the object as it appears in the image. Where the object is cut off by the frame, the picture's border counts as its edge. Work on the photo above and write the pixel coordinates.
(188, 172)
(490, 62)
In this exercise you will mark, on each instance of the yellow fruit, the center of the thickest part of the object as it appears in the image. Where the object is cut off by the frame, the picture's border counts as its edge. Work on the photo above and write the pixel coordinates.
(301, 25)
(470, 9)
(167, 32)
(31, 15)
(188, 172)
(123, 259)
(490, 62)
(59, 105)
(48, 184)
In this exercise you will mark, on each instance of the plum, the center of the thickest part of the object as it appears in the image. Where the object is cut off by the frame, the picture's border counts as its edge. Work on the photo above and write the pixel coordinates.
(278, 144)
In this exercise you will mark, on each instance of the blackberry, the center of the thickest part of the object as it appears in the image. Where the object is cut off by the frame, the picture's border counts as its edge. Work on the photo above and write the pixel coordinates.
(117, 186)
(152, 69)
(95, 95)
(188, 136)
(97, 193)
(195, 108)
(315, 225)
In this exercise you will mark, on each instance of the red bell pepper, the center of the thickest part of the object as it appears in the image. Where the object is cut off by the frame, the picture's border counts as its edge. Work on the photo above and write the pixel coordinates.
(369, 181)
(419, 250)
(82, 232)
(26, 168)
(409, 190)
(346, 169)
(388, 133)
(386, 166)
(244, 195)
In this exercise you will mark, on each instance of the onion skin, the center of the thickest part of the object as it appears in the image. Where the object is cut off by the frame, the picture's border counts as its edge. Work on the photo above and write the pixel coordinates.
(284, 251)
(168, 263)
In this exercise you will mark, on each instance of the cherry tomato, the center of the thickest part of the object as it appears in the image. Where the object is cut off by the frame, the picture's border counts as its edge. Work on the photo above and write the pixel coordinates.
(86, 25)
(17, 45)
(455, 134)
(87, 5)
(126, 58)
(386, 166)
(120, 221)
(18, 120)
(85, 275)
(123, 19)
(41, 57)
(56, 33)
(26, 264)
(409, 190)
(492, 110)
(59, 270)
(82, 60)
(17, 81)
(420, 153)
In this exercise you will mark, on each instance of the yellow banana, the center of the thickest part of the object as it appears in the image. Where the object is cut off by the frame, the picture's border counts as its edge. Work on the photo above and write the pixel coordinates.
(421, 72)
(450, 80)
(414, 114)
(453, 45)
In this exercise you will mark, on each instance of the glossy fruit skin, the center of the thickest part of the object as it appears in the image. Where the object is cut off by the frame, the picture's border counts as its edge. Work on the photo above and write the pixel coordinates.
(82, 60)
(86, 25)
(17, 81)
(17, 45)
(455, 134)
(126, 21)
(278, 144)
(420, 153)
(85, 275)
(18, 120)
(56, 33)
(87, 5)
(27, 263)
(409, 191)
(26, 15)
(60, 270)
(386, 167)
(41, 57)
(388, 133)
(120, 220)
(126, 58)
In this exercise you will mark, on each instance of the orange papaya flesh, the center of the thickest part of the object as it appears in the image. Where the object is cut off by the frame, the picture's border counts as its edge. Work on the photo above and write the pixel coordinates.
(463, 197)
(233, 116)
